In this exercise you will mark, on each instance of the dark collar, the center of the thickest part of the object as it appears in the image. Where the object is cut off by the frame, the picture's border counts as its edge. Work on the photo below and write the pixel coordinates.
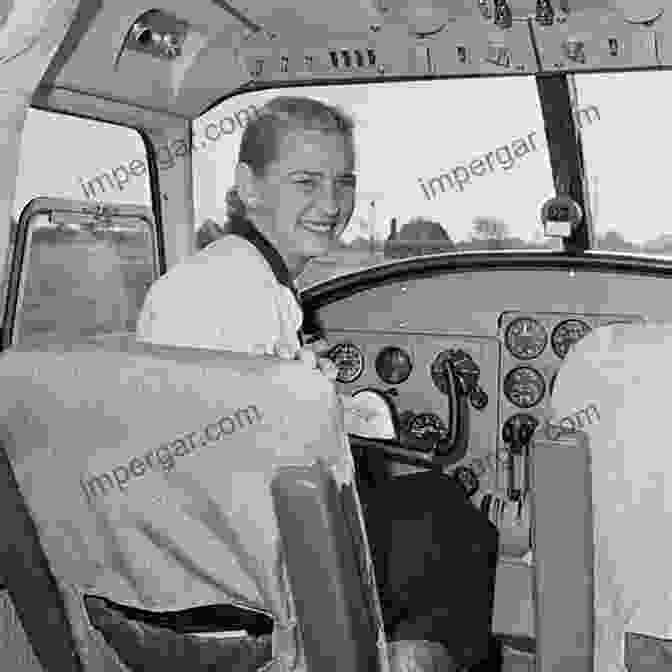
(244, 228)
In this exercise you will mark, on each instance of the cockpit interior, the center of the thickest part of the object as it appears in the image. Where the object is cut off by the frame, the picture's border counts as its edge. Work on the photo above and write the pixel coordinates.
(506, 210)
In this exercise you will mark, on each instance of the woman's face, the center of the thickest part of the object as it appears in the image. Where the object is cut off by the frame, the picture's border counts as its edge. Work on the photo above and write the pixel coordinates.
(306, 198)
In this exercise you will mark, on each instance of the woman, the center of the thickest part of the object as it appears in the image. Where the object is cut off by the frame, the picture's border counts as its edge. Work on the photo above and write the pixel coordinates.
(294, 197)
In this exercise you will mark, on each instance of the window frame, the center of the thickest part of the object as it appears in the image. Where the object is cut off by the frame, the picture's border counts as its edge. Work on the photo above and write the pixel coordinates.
(43, 205)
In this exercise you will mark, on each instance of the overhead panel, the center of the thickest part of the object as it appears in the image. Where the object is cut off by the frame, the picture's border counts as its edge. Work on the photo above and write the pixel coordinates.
(105, 54)
(337, 57)
(662, 30)
(594, 39)
(474, 45)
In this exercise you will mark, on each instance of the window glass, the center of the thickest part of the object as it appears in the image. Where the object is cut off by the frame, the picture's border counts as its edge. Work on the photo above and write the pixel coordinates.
(441, 166)
(81, 274)
(625, 158)
(81, 159)
(88, 163)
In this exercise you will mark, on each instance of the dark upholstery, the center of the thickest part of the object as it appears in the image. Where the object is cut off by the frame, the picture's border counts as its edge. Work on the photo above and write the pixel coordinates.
(435, 557)
(25, 572)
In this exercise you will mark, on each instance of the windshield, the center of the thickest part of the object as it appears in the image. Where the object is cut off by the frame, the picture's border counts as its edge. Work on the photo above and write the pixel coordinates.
(441, 166)
(625, 132)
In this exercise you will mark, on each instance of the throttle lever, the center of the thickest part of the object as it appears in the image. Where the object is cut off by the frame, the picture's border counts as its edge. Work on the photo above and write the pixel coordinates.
(517, 434)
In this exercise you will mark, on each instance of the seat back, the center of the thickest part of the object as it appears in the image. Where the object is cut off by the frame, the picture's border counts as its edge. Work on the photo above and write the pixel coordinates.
(614, 387)
(563, 553)
(143, 474)
(330, 569)
(35, 595)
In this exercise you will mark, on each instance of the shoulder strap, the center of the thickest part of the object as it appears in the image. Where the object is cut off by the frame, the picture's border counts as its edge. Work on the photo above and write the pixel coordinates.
(25, 571)
(242, 227)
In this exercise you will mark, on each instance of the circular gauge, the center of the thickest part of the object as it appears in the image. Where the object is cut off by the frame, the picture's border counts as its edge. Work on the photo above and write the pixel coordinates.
(526, 338)
(393, 365)
(524, 387)
(566, 334)
(424, 425)
(349, 360)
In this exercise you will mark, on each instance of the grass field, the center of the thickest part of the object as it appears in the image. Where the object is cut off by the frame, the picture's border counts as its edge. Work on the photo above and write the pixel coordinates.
(84, 286)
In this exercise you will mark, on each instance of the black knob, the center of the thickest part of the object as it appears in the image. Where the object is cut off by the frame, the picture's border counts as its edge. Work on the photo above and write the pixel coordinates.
(525, 432)
(466, 477)
(478, 398)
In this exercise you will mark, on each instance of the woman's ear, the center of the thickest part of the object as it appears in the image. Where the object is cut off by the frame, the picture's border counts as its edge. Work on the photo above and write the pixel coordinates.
(247, 185)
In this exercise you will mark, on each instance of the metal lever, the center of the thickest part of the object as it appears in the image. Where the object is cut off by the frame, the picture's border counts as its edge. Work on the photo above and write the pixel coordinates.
(518, 435)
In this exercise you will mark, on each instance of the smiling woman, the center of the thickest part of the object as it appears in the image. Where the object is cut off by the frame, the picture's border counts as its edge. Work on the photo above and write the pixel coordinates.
(403, 131)
(294, 196)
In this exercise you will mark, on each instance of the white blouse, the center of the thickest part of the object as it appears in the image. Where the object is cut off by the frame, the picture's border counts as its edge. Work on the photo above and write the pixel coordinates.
(225, 297)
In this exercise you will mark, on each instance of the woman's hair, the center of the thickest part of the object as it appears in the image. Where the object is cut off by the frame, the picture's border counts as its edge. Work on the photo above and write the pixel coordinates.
(282, 115)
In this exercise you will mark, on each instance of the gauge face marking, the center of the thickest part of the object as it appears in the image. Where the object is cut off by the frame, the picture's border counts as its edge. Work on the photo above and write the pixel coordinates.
(393, 365)
(426, 424)
(349, 360)
(524, 387)
(566, 334)
(525, 338)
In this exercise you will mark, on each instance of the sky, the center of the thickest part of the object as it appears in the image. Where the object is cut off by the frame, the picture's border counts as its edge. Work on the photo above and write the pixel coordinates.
(406, 134)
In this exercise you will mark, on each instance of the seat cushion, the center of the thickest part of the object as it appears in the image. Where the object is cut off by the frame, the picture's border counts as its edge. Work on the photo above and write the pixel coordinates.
(615, 387)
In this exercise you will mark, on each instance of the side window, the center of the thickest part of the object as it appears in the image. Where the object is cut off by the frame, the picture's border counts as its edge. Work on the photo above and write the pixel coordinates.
(83, 242)
(79, 270)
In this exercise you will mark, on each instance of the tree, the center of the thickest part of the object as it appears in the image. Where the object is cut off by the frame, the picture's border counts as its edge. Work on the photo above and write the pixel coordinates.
(489, 228)
(424, 236)
(490, 233)
(660, 245)
(614, 242)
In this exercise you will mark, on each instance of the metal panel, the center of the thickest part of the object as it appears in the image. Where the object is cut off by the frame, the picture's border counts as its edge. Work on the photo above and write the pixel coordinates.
(330, 570)
(563, 553)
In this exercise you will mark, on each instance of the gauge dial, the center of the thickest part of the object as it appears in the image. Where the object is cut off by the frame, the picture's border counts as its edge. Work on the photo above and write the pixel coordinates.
(524, 387)
(393, 365)
(566, 334)
(349, 360)
(525, 338)
(424, 425)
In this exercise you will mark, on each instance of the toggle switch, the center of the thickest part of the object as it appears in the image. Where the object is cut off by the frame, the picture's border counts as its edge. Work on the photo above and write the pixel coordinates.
(575, 50)
(499, 55)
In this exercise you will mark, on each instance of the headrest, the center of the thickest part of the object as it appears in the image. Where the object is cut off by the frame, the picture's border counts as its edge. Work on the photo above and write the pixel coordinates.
(615, 386)
(147, 468)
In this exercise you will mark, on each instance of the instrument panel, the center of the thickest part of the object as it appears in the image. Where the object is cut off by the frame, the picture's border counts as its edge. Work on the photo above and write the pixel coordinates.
(472, 310)
(534, 347)
(515, 372)
(410, 367)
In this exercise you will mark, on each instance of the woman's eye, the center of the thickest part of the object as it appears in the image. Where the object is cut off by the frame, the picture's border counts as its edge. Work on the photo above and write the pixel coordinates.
(306, 183)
